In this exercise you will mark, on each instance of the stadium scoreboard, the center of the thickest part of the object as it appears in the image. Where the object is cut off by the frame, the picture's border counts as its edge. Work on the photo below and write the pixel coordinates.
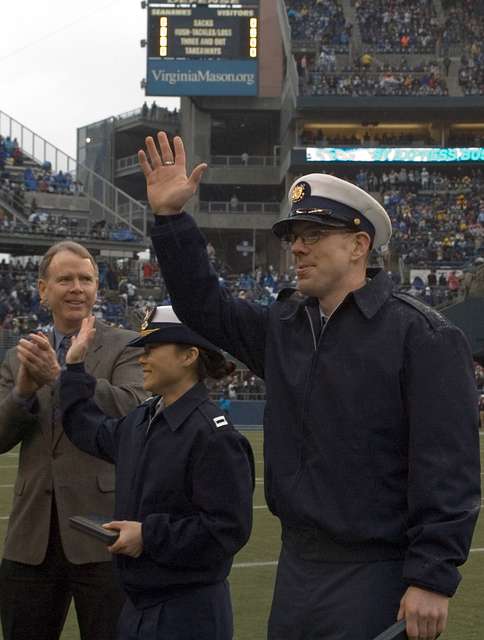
(203, 31)
(203, 48)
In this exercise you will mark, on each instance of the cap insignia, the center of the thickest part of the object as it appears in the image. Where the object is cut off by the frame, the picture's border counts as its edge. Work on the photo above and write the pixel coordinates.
(147, 319)
(300, 191)
(356, 222)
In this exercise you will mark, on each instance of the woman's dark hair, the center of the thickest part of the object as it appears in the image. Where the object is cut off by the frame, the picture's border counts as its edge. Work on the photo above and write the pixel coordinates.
(211, 364)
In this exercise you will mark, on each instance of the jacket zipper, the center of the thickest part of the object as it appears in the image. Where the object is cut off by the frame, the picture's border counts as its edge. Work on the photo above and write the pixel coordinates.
(315, 342)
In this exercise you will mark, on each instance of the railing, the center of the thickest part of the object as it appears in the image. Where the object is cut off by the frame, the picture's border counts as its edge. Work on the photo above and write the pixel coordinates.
(158, 113)
(242, 161)
(216, 161)
(104, 198)
(127, 163)
(240, 207)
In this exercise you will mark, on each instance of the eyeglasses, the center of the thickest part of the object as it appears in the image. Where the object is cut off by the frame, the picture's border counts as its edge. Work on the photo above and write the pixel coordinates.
(309, 236)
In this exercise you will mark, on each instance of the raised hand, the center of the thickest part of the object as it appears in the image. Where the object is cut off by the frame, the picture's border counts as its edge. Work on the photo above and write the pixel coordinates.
(39, 359)
(168, 186)
(80, 343)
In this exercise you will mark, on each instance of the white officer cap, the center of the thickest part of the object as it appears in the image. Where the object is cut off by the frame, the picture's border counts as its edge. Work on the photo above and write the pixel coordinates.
(162, 325)
(335, 203)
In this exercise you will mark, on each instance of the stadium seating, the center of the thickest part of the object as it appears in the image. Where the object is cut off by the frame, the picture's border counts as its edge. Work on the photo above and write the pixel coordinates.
(406, 26)
(322, 21)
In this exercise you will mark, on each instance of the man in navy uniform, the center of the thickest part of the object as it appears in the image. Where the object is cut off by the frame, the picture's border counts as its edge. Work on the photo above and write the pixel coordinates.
(371, 464)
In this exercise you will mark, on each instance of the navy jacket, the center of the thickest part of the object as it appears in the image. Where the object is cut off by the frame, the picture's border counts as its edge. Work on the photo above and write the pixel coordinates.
(370, 429)
(186, 474)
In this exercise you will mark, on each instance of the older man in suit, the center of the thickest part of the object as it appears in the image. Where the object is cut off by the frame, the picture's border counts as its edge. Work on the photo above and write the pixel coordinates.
(46, 563)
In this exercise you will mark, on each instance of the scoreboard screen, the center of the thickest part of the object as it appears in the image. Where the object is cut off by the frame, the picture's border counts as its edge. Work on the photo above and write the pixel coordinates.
(204, 47)
(203, 31)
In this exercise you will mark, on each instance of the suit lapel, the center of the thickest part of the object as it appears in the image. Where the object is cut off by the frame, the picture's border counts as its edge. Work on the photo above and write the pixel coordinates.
(94, 355)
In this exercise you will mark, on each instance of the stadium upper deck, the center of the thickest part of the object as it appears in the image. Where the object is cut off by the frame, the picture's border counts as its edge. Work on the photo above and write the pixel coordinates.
(382, 93)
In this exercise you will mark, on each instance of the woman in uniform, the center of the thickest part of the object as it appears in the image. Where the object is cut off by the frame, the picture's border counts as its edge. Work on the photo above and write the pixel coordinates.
(184, 482)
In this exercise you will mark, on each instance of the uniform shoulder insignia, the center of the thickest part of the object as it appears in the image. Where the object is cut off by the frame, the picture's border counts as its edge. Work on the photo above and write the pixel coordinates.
(433, 317)
(220, 421)
(214, 416)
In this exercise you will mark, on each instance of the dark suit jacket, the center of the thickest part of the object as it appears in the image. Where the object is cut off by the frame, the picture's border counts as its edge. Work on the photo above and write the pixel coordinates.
(50, 465)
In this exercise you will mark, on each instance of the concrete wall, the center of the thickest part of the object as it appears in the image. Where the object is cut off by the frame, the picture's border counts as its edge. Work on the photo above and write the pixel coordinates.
(270, 51)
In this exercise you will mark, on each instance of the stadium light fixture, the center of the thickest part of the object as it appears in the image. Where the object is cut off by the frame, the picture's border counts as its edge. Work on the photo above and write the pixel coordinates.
(143, 43)
(144, 5)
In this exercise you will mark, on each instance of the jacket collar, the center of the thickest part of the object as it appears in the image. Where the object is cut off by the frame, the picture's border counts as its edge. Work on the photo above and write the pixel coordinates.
(374, 294)
(176, 414)
(369, 299)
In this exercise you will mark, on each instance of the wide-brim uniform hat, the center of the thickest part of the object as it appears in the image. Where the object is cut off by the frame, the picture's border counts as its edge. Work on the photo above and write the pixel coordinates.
(162, 326)
(335, 204)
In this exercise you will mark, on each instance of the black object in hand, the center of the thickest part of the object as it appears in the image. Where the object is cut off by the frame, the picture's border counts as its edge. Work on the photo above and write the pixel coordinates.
(395, 632)
(92, 525)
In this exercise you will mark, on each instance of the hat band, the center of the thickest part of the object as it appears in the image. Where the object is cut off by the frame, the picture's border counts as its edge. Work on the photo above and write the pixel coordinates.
(331, 212)
(146, 332)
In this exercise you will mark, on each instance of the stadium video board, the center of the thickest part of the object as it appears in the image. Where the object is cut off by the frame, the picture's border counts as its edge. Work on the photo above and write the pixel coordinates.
(203, 48)
(395, 154)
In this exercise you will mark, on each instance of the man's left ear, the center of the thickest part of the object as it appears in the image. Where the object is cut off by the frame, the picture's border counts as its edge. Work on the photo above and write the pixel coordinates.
(362, 244)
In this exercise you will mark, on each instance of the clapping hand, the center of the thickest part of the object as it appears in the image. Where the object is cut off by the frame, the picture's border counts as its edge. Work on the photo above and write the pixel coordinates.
(80, 343)
(38, 360)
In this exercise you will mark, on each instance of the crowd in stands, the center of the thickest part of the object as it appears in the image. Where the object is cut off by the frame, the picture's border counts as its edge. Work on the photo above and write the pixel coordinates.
(407, 26)
(242, 385)
(320, 21)
(370, 76)
(436, 218)
(459, 139)
(471, 70)
(47, 182)
(463, 22)
(31, 219)
(464, 26)
(34, 178)
(419, 179)
(321, 138)
(389, 83)
(388, 27)
(10, 152)
(58, 227)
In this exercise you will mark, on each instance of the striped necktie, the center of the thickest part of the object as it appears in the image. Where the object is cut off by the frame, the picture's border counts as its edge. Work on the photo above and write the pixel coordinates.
(62, 351)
